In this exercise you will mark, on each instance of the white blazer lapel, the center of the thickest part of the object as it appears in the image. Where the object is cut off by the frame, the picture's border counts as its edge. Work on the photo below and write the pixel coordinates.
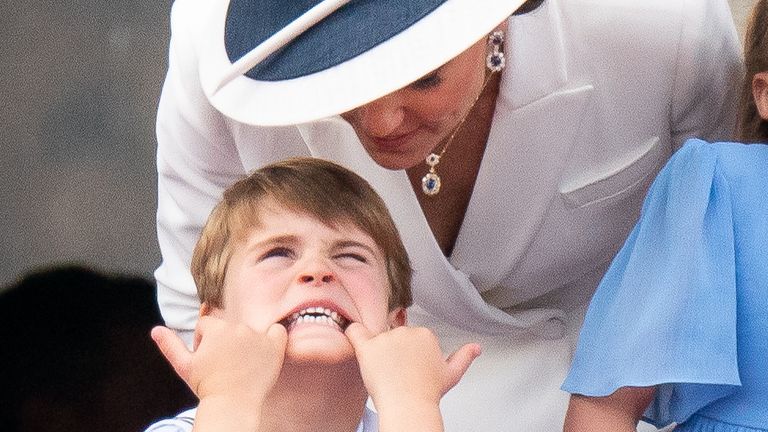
(539, 115)
(518, 179)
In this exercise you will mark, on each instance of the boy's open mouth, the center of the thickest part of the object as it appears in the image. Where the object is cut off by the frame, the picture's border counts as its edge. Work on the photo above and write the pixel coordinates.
(317, 315)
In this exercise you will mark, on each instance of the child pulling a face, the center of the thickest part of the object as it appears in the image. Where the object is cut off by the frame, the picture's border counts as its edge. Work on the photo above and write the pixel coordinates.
(304, 284)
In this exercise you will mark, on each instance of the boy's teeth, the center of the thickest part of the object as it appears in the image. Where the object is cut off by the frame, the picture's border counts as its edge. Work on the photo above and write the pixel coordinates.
(320, 315)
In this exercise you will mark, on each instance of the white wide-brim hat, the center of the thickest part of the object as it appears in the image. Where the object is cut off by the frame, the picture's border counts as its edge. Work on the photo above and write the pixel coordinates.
(282, 62)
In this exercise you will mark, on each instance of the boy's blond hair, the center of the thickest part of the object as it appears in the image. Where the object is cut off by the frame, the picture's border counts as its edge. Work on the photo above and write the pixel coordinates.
(314, 187)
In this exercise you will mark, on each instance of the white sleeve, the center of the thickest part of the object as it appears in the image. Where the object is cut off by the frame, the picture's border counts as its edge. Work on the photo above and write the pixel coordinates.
(708, 75)
(181, 423)
(200, 152)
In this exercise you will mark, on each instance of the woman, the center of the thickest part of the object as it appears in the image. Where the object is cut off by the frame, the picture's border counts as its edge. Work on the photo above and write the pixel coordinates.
(541, 166)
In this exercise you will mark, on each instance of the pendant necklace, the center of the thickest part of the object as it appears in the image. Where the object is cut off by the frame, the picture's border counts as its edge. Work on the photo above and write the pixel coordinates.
(431, 182)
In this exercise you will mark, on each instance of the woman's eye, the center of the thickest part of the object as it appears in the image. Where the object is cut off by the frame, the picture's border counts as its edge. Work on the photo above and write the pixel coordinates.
(430, 81)
(278, 252)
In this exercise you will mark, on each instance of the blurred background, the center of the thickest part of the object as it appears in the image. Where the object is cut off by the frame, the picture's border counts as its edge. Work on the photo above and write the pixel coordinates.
(80, 82)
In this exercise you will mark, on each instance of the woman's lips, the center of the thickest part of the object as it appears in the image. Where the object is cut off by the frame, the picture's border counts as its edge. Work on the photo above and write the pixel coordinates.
(393, 143)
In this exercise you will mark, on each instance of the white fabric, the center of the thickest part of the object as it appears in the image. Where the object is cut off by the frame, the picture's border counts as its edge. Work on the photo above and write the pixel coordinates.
(185, 420)
(595, 97)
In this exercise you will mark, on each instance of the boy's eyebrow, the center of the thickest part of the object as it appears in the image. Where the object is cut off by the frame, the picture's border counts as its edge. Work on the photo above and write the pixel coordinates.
(278, 239)
(352, 243)
(292, 239)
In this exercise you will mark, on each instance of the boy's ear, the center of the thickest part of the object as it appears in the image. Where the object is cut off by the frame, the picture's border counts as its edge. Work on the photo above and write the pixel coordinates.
(207, 310)
(760, 93)
(397, 317)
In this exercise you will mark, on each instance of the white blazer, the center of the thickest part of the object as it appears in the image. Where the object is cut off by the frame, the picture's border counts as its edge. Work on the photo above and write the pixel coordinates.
(595, 97)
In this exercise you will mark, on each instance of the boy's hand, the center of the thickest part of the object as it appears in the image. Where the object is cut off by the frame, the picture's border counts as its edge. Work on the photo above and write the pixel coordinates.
(405, 365)
(229, 360)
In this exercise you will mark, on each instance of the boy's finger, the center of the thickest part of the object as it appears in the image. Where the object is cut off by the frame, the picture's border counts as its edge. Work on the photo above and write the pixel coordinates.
(204, 324)
(198, 333)
(459, 362)
(357, 334)
(279, 335)
(173, 349)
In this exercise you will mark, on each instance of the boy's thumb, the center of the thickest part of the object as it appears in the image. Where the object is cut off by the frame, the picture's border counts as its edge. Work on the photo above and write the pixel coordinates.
(173, 349)
(459, 362)
(357, 334)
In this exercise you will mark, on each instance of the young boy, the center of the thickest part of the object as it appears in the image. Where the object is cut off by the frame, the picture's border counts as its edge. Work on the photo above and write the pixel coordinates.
(304, 282)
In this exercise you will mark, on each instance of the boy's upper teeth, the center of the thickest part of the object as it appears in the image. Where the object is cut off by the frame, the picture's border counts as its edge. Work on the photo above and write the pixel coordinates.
(320, 311)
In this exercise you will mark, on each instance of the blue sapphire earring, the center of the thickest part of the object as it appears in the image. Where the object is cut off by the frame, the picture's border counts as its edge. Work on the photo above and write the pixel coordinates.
(431, 182)
(495, 60)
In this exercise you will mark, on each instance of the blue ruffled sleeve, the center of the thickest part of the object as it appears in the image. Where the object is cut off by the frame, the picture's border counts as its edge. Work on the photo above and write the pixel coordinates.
(665, 312)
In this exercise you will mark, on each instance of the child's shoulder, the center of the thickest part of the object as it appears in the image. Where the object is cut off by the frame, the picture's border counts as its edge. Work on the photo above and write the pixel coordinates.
(697, 148)
(727, 158)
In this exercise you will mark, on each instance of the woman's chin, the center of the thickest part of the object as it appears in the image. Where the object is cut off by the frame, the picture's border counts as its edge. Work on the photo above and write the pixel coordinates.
(397, 161)
(401, 157)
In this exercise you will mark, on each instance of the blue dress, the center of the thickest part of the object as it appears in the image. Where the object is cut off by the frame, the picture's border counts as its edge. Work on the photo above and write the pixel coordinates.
(684, 305)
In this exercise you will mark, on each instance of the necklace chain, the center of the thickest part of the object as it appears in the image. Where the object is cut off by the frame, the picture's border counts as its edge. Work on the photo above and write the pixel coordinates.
(461, 123)
(495, 61)
(431, 182)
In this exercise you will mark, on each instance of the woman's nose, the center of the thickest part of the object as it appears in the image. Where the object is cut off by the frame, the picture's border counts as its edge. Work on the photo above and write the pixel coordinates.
(381, 117)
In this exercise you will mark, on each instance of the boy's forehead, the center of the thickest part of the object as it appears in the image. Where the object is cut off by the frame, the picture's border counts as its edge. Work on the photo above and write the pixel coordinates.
(271, 214)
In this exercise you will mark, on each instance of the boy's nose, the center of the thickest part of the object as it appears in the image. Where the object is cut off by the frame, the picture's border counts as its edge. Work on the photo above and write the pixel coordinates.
(319, 278)
(316, 272)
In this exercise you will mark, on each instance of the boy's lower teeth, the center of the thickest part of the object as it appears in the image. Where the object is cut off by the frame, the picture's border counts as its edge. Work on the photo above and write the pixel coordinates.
(322, 319)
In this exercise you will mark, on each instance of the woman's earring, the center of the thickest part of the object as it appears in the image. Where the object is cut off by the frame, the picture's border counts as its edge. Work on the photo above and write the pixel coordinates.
(495, 60)
(431, 181)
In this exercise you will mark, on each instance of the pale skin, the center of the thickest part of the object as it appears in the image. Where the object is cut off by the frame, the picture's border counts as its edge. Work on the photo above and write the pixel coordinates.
(623, 409)
(254, 371)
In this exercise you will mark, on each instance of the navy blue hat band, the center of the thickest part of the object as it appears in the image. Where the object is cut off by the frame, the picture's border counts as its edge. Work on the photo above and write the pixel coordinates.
(288, 62)
(348, 32)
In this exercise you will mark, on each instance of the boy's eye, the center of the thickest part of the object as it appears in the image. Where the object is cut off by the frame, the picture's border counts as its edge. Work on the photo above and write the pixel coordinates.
(277, 252)
(352, 256)
(430, 81)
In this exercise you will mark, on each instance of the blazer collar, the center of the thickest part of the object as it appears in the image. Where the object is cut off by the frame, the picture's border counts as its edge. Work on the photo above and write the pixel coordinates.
(540, 113)
(537, 58)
